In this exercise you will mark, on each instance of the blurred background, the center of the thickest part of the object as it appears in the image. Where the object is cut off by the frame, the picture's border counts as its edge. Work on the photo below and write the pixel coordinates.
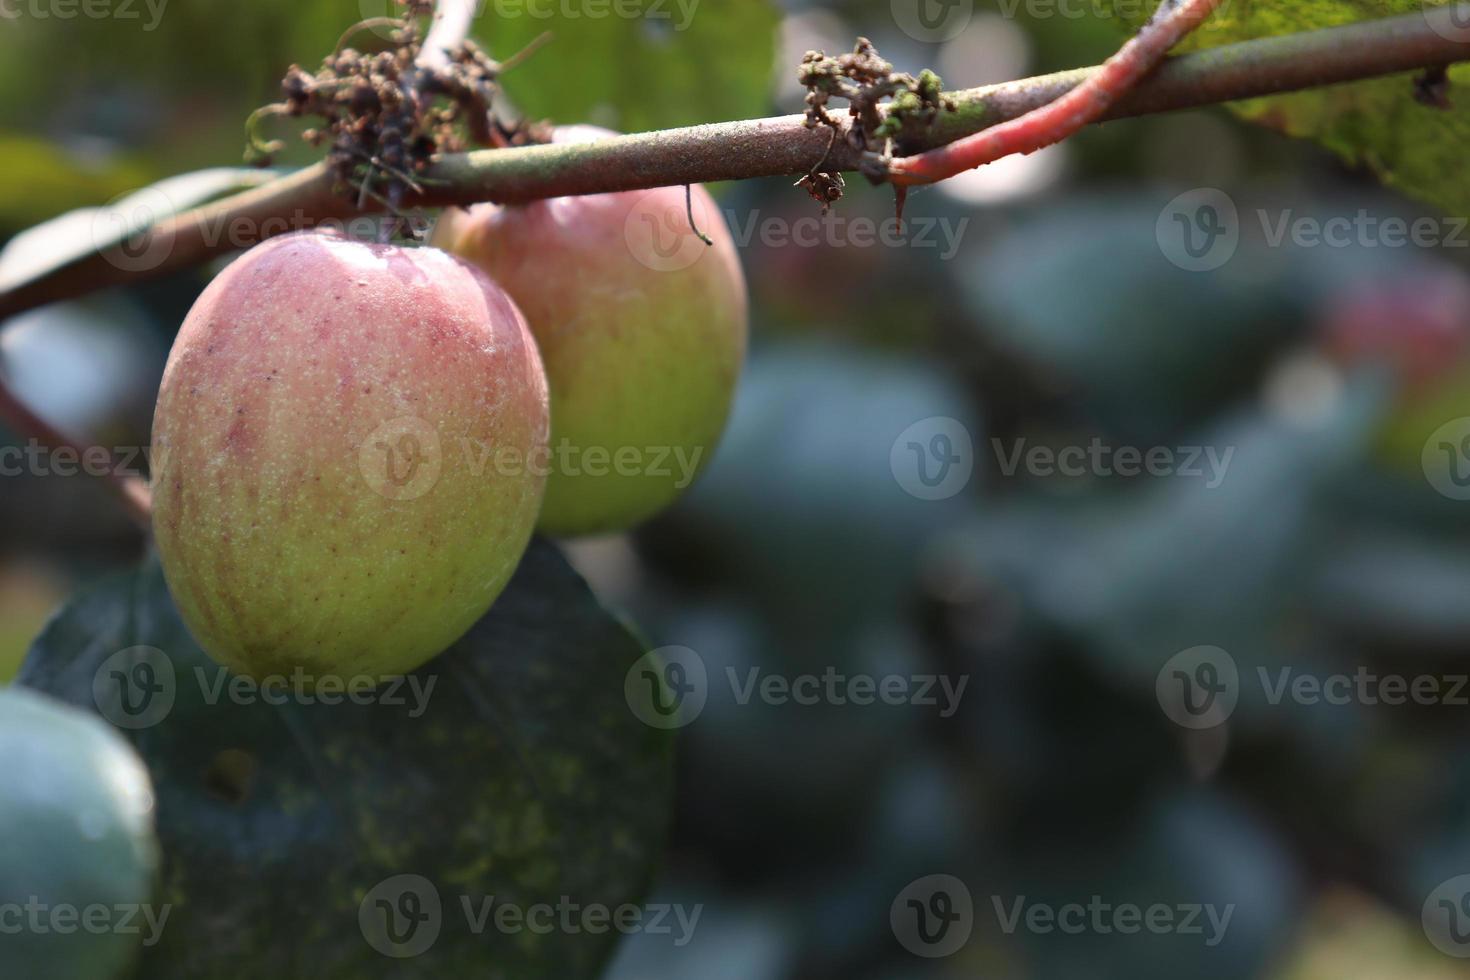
(1108, 433)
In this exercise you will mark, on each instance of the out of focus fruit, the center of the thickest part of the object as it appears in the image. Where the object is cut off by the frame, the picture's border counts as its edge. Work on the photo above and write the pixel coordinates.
(78, 851)
(643, 330)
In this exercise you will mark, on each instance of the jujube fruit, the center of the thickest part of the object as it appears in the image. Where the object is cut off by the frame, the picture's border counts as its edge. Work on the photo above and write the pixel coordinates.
(340, 476)
(643, 331)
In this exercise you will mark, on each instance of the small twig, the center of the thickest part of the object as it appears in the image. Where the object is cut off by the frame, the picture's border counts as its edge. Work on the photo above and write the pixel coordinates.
(689, 210)
(131, 491)
(520, 56)
(1058, 120)
(378, 162)
(450, 26)
(371, 23)
(258, 148)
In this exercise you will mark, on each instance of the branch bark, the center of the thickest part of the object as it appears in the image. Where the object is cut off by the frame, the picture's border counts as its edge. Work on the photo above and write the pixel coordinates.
(1068, 114)
(130, 490)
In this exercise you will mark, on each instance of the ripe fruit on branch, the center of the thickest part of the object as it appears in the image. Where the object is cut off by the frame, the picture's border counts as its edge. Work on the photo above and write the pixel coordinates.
(642, 327)
(341, 477)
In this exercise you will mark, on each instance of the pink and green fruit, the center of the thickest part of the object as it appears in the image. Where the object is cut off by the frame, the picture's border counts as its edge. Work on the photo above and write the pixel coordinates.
(643, 330)
(340, 444)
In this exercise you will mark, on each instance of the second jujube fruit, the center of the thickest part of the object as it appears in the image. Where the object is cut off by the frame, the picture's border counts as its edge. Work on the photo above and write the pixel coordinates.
(643, 331)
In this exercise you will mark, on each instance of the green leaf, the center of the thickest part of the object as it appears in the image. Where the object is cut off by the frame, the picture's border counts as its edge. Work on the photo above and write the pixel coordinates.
(527, 778)
(636, 65)
(1376, 123)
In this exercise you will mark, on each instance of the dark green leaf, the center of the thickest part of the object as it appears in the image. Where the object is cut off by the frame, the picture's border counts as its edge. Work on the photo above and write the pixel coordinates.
(527, 779)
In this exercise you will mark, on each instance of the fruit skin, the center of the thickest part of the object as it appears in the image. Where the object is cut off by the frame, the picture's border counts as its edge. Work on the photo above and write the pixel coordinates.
(77, 812)
(330, 497)
(643, 337)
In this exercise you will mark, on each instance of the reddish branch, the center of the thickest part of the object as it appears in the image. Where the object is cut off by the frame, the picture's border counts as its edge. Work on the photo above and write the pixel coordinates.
(131, 490)
(1056, 121)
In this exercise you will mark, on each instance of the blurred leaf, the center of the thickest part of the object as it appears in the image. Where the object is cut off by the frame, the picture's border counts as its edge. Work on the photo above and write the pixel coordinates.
(42, 179)
(523, 776)
(677, 63)
(27, 597)
(1375, 123)
(1349, 936)
(1185, 563)
(1149, 348)
(1396, 586)
(1198, 849)
(802, 494)
(41, 250)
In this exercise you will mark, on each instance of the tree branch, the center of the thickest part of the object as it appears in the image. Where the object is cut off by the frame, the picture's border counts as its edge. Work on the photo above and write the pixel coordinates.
(779, 146)
(1064, 116)
(451, 25)
(131, 490)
